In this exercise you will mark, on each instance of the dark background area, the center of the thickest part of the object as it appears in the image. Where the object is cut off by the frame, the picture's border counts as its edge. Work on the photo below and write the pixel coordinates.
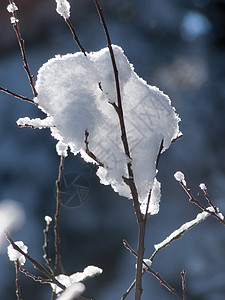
(178, 46)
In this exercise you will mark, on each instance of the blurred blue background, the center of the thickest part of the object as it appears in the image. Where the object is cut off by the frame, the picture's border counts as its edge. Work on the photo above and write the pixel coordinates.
(178, 46)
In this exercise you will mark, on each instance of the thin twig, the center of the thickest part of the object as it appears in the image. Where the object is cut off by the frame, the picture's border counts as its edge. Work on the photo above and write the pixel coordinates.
(183, 284)
(130, 180)
(57, 214)
(35, 263)
(89, 153)
(148, 269)
(23, 52)
(45, 248)
(18, 291)
(17, 95)
(177, 138)
(75, 37)
(35, 278)
(196, 202)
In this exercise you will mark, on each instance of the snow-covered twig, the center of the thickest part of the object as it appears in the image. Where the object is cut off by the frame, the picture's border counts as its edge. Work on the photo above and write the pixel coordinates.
(148, 269)
(22, 49)
(35, 263)
(57, 214)
(179, 232)
(15, 95)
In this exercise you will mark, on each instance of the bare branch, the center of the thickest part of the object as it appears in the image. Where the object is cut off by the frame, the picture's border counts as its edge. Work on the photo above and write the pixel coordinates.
(23, 52)
(183, 278)
(75, 37)
(57, 214)
(35, 278)
(45, 248)
(155, 274)
(196, 202)
(17, 95)
(18, 291)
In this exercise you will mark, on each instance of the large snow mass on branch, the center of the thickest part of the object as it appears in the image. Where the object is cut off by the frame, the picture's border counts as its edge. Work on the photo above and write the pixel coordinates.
(76, 91)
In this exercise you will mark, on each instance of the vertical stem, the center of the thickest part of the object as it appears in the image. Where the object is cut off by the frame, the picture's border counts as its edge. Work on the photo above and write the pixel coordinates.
(23, 52)
(57, 214)
(18, 292)
(130, 180)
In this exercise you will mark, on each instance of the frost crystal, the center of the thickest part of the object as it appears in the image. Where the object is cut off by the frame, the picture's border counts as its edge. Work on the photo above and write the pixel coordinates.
(12, 7)
(63, 8)
(76, 92)
(179, 176)
(15, 255)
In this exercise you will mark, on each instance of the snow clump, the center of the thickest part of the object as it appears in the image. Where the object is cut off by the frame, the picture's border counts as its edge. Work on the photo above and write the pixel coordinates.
(76, 92)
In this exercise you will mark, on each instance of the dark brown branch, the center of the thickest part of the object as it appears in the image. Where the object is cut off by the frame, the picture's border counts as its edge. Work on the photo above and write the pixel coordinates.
(177, 138)
(89, 153)
(57, 214)
(35, 263)
(196, 202)
(17, 95)
(23, 52)
(183, 284)
(130, 179)
(75, 37)
(148, 269)
(18, 291)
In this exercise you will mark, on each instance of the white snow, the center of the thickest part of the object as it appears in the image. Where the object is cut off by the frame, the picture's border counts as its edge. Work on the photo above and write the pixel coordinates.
(179, 176)
(67, 281)
(11, 216)
(76, 90)
(147, 261)
(15, 255)
(202, 186)
(177, 233)
(61, 149)
(63, 8)
(35, 123)
(72, 291)
(48, 220)
(14, 20)
(12, 7)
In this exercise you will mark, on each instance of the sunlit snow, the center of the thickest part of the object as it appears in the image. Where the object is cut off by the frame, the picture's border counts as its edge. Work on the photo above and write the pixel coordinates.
(74, 91)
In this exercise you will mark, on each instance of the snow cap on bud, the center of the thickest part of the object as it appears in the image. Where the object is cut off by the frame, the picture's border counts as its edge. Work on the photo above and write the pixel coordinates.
(179, 176)
(48, 220)
(61, 149)
(202, 186)
(15, 255)
(63, 8)
(12, 7)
